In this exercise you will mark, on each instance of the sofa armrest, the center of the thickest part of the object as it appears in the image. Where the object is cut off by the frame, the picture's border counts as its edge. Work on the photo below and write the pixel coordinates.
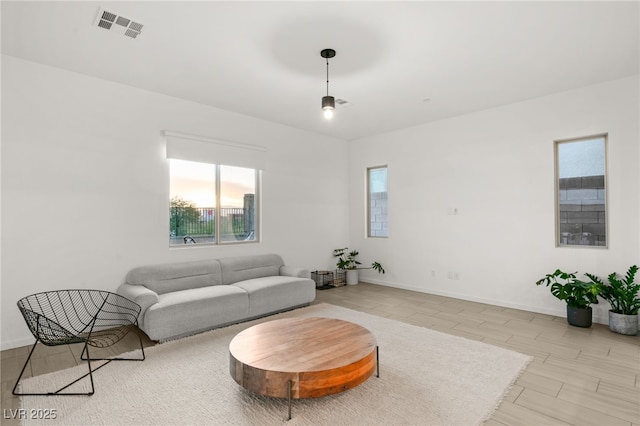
(291, 271)
(141, 295)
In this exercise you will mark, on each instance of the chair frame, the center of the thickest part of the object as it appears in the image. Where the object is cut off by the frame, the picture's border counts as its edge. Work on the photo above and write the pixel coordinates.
(51, 333)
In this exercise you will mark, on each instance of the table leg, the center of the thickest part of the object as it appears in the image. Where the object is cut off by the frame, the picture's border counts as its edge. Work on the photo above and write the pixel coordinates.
(289, 397)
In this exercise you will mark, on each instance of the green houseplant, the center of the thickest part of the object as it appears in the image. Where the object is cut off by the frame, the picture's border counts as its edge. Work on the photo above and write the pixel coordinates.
(622, 293)
(577, 294)
(347, 261)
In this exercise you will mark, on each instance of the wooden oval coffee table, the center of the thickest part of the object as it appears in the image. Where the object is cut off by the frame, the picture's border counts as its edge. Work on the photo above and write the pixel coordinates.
(302, 357)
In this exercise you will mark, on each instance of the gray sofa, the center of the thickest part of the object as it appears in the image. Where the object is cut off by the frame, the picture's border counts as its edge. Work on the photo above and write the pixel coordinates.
(185, 298)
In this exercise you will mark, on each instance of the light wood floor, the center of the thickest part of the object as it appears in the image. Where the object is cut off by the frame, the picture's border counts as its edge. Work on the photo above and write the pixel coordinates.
(578, 376)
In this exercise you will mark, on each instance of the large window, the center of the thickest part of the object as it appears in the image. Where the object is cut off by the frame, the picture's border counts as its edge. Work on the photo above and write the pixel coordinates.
(214, 189)
(581, 207)
(377, 205)
(212, 204)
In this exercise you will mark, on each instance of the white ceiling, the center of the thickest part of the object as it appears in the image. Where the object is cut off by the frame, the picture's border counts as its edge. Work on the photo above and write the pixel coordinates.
(263, 59)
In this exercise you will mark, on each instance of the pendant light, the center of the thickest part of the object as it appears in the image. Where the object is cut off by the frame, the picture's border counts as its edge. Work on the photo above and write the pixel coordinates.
(328, 102)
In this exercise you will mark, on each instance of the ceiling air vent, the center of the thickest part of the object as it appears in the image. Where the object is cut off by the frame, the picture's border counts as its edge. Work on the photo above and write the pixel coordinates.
(118, 24)
(342, 103)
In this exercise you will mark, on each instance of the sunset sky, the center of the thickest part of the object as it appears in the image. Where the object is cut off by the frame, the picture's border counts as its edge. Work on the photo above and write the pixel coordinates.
(195, 182)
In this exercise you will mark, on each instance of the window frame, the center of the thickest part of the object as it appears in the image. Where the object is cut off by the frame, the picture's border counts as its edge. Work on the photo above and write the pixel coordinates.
(557, 228)
(368, 206)
(218, 195)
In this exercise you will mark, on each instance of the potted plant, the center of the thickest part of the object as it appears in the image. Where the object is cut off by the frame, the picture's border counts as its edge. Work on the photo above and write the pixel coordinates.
(347, 262)
(578, 295)
(622, 295)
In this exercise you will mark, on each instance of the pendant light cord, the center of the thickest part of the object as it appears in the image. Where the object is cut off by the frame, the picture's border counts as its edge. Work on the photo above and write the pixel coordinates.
(327, 76)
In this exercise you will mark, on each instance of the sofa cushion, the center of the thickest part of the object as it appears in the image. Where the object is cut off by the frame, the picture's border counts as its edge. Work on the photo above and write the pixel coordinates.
(236, 269)
(272, 294)
(171, 277)
(189, 311)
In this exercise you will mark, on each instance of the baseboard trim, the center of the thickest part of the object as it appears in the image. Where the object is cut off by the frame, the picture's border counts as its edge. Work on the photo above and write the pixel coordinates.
(12, 344)
(598, 317)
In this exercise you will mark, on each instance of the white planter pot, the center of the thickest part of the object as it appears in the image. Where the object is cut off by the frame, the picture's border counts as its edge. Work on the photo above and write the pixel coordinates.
(623, 324)
(352, 276)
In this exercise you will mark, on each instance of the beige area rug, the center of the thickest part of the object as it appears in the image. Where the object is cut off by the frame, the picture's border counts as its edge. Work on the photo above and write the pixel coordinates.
(426, 378)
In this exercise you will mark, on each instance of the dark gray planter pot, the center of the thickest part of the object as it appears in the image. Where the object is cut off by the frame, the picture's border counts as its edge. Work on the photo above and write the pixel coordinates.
(623, 324)
(579, 317)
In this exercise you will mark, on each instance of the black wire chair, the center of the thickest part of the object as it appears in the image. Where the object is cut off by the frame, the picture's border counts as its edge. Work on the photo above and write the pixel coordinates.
(93, 317)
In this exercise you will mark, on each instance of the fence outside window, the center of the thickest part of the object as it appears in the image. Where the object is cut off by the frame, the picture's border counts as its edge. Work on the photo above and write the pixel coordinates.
(199, 224)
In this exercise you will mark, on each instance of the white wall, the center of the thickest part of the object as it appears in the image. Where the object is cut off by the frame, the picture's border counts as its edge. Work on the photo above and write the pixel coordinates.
(496, 167)
(85, 190)
(85, 184)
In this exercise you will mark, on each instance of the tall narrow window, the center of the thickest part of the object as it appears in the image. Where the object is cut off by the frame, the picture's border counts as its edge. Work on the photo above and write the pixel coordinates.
(581, 207)
(377, 204)
(211, 204)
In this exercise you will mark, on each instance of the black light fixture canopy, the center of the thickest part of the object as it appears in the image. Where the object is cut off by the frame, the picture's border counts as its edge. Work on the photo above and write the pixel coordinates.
(328, 102)
(328, 53)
